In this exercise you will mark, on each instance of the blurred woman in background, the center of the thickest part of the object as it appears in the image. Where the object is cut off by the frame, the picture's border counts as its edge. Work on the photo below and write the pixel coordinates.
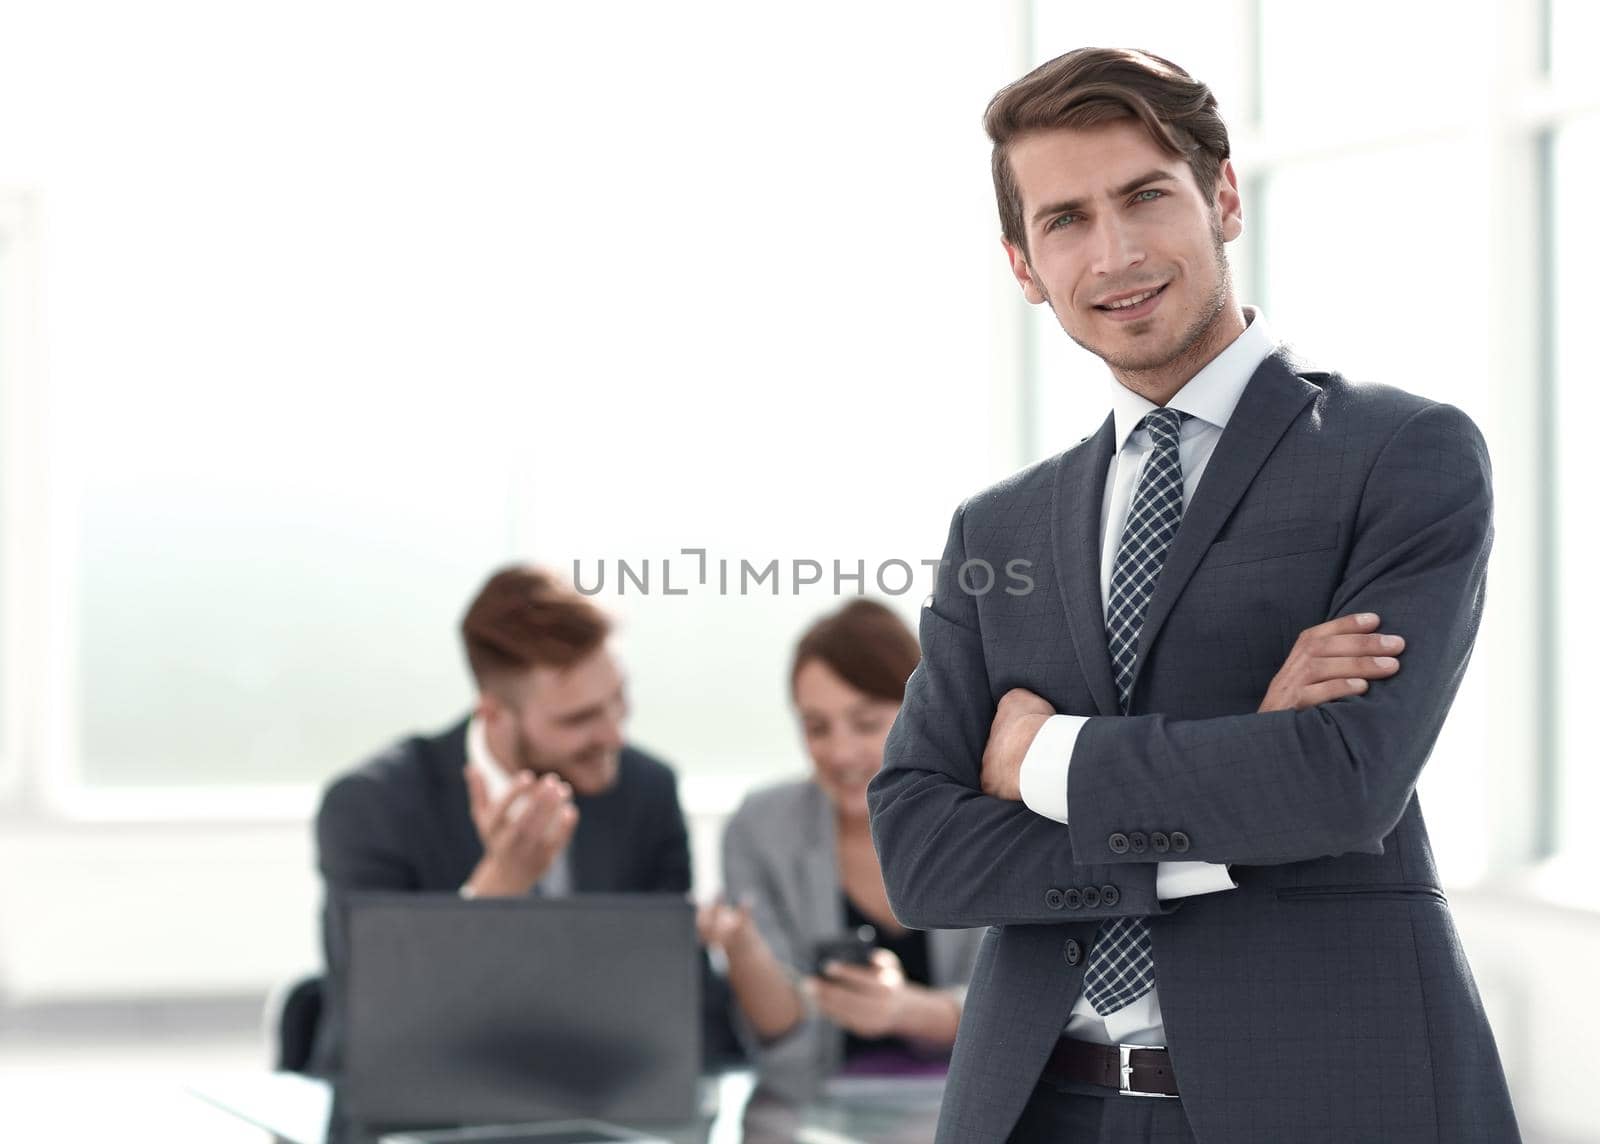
(804, 895)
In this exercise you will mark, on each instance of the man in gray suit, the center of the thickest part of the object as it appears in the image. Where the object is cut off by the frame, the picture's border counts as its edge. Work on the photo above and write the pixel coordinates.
(1177, 776)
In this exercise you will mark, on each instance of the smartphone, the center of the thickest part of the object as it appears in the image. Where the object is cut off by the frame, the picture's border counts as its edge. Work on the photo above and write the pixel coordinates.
(851, 949)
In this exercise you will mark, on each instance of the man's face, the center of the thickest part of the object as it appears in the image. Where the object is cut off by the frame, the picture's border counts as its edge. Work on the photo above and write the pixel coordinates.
(570, 721)
(1109, 216)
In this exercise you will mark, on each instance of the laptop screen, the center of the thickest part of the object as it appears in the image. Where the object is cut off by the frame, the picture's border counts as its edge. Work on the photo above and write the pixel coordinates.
(497, 1010)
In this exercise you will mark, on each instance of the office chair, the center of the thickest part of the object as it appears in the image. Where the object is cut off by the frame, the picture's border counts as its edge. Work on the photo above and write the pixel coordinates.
(292, 1014)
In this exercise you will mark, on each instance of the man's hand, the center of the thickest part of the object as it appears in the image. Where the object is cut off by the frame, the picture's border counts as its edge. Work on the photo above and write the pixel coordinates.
(521, 833)
(868, 1000)
(1333, 660)
(1016, 721)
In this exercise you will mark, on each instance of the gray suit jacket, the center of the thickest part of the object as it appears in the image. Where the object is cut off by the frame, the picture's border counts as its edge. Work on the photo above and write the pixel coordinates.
(778, 852)
(1327, 997)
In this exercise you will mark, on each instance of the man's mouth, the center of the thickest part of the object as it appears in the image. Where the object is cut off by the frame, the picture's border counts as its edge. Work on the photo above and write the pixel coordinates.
(1134, 305)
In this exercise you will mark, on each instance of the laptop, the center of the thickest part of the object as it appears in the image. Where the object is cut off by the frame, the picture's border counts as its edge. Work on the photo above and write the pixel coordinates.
(501, 1010)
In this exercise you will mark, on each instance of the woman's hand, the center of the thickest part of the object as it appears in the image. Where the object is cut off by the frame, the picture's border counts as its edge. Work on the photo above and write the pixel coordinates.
(763, 988)
(725, 927)
(868, 1000)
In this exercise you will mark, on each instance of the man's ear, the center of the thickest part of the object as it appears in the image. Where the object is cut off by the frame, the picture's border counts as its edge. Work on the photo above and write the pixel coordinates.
(491, 710)
(1230, 208)
(1023, 272)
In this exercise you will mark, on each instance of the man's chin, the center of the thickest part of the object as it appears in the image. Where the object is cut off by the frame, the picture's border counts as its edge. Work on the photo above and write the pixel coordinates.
(594, 779)
(1131, 356)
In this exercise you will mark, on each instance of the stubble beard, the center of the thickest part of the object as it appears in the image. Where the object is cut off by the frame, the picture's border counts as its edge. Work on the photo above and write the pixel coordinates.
(1160, 358)
(531, 759)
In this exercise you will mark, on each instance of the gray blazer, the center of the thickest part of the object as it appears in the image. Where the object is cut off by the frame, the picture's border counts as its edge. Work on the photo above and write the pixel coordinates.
(1327, 997)
(778, 853)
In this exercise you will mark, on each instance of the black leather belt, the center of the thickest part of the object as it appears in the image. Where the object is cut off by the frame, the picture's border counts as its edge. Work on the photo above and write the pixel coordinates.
(1133, 1070)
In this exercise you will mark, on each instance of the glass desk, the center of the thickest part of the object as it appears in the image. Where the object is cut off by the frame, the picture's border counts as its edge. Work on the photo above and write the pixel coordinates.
(293, 1109)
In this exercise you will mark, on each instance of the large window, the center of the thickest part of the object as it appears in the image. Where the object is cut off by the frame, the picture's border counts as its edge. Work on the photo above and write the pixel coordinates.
(313, 355)
(344, 306)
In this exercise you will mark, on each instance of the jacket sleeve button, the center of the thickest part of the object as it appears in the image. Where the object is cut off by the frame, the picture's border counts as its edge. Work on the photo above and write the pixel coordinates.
(1072, 951)
(1138, 842)
(1180, 842)
(1073, 898)
(1118, 843)
(1110, 895)
(1159, 842)
(1053, 898)
(1091, 897)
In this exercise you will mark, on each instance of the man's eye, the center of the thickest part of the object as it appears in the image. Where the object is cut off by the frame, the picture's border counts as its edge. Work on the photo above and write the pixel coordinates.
(1141, 196)
(1059, 222)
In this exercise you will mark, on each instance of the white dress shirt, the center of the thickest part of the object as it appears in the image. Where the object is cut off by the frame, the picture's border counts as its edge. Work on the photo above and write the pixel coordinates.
(557, 881)
(1209, 397)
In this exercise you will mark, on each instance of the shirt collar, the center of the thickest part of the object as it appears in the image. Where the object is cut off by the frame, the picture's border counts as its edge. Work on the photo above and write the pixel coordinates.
(1211, 394)
(496, 782)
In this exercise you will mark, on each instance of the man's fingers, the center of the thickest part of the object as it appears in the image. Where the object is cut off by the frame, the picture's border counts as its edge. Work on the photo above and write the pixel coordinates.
(1349, 624)
(541, 818)
(566, 823)
(1019, 700)
(501, 819)
(1378, 643)
(1321, 670)
(1316, 694)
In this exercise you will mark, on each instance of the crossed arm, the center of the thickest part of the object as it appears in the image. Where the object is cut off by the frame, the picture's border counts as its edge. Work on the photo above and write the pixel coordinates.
(1271, 787)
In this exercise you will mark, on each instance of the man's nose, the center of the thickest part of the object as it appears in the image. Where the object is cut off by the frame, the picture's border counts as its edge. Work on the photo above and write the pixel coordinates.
(1118, 246)
(611, 733)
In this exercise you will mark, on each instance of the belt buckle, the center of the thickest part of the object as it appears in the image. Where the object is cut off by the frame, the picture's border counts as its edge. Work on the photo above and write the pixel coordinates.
(1125, 1074)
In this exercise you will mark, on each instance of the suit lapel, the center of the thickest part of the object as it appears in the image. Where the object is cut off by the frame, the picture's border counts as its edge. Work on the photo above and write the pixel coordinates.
(1075, 538)
(1270, 403)
(819, 869)
(446, 756)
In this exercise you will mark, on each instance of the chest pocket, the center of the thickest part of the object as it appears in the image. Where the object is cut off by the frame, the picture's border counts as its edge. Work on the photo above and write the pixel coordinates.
(1292, 539)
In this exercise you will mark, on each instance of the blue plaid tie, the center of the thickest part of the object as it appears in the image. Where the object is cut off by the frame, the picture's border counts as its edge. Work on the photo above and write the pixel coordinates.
(1121, 968)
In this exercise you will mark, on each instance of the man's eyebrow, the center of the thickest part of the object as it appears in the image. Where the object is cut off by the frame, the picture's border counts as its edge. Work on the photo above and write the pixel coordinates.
(581, 714)
(1155, 176)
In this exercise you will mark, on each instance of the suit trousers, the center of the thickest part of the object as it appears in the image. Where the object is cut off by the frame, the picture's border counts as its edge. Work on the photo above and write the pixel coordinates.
(1074, 1113)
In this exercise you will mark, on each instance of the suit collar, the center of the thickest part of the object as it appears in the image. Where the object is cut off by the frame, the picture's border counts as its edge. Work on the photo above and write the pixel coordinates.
(447, 753)
(496, 781)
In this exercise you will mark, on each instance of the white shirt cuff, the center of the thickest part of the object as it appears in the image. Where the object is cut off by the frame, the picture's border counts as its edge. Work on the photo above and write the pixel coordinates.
(1043, 778)
(1043, 781)
(1185, 879)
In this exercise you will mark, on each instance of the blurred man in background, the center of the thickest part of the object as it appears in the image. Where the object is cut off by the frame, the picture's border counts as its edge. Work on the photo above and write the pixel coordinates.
(535, 791)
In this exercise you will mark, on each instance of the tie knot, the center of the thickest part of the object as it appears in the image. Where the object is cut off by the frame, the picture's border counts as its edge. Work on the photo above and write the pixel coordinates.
(1164, 425)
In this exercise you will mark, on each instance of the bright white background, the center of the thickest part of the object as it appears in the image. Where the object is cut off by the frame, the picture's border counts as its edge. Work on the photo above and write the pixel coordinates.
(311, 314)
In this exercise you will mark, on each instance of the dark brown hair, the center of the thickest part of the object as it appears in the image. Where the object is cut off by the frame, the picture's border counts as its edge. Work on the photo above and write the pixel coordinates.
(1093, 86)
(524, 617)
(866, 645)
